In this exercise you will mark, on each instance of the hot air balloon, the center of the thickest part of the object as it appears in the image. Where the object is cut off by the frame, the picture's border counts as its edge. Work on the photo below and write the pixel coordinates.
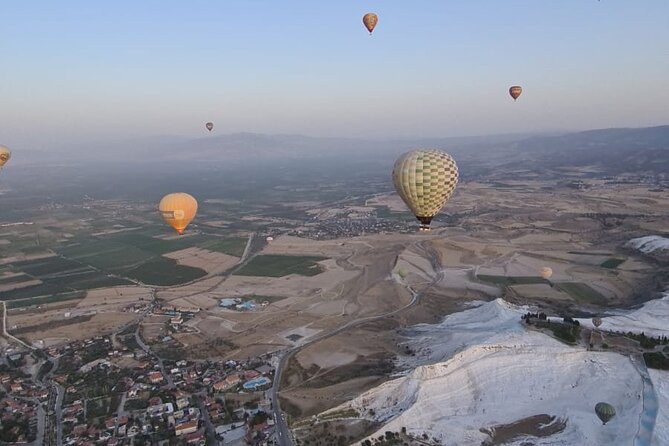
(596, 322)
(370, 20)
(178, 210)
(515, 91)
(605, 412)
(546, 272)
(209, 125)
(425, 180)
(5, 154)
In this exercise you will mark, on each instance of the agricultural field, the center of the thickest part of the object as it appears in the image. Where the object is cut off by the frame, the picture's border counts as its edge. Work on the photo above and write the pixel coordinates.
(114, 259)
(612, 263)
(76, 295)
(280, 265)
(164, 272)
(582, 293)
(54, 276)
(511, 280)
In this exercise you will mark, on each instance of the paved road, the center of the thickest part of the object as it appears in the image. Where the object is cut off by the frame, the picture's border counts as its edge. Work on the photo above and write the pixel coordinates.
(6, 333)
(211, 432)
(148, 351)
(283, 432)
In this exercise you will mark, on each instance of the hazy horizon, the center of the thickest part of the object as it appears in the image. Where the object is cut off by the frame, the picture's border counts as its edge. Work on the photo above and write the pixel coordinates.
(80, 72)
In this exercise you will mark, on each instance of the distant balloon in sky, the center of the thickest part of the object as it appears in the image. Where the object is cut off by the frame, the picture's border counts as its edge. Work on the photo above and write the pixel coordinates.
(546, 272)
(425, 180)
(596, 322)
(178, 210)
(605, 412)
(370, 20)
(515, 91)
(5, 154)
(209, 125)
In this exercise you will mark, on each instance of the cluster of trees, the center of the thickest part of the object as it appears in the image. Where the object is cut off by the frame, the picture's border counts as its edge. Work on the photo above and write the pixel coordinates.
(397, 438)
(646, 341)
(527, 316)
(13, 430)
(570, 320)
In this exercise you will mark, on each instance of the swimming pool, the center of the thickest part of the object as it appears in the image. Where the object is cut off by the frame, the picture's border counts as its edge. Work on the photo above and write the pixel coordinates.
(257, 382)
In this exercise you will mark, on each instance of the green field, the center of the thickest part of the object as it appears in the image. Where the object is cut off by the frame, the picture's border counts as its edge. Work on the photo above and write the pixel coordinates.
(49, 266)
(612, 263)
(77, 295)
(58, 275)
(15, 279)
(230, 246)
(106, 254)
(582, 293)
(511, 280)
(164, 272)
(279, 266)
(43, 289)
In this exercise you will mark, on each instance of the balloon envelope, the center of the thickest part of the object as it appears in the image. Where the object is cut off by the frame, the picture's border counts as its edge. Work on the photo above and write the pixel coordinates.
(425, 180)
(605, 412)
(596, 322)
(5, 155)
(515, 91)
(370, 20)
(178, 210)
(209, 125)
(546, 272)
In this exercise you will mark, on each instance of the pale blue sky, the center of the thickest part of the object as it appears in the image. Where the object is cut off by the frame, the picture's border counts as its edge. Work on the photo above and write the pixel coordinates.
(79, 70)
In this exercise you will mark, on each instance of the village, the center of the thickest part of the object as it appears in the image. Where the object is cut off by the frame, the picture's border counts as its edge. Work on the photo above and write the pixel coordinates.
(114, 390)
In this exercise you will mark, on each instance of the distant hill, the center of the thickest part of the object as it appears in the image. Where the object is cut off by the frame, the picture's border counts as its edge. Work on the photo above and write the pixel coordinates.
(613, 151)
(607, 151)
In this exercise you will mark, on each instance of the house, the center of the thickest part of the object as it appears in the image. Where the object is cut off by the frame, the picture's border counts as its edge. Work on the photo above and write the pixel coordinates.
(233, 380)
(251, 374)
(155, 377)
(221, 386)
(195, 437)
(182, 402)
(186, 428)
(264, 369)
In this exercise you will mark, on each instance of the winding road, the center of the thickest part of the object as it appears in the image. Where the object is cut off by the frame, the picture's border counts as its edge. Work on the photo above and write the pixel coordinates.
(283, 432)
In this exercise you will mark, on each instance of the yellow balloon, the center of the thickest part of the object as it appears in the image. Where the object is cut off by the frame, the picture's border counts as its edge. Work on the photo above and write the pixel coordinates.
(178, 210)
(5, 154)
(425, 180)
(546, 272)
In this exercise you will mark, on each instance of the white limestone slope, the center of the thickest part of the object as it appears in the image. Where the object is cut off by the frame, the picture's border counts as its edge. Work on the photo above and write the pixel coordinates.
(502, 373)
(650, 243)
(652, 319)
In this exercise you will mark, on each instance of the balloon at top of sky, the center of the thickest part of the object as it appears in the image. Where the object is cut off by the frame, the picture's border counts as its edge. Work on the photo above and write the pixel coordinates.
(370, 20)
(425, 180)
(515, 91)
